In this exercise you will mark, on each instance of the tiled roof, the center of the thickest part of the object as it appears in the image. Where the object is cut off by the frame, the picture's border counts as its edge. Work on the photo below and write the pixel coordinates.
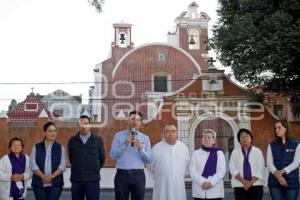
(28, 110)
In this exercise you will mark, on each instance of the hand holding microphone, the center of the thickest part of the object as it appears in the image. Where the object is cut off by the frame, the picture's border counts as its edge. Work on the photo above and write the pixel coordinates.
(133, 140)
(133, 133)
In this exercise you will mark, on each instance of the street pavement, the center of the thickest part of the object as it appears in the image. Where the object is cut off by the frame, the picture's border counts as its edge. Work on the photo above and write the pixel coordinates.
(109, 195)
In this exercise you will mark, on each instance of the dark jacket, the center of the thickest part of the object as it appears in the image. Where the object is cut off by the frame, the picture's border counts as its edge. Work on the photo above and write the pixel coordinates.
(40, 157)
(283, 155)
(86, 159)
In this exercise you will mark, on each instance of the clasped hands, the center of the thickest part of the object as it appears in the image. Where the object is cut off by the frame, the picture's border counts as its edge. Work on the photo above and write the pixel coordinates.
(279, 176)
(47, 179)
(17, 177)
(247, 184)
(206, 185)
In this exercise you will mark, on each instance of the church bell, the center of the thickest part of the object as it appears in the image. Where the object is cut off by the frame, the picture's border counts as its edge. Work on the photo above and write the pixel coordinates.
(192, 40)
(122, 38)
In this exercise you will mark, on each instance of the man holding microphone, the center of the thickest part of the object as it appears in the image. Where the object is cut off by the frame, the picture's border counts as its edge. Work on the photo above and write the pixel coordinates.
(132, 151)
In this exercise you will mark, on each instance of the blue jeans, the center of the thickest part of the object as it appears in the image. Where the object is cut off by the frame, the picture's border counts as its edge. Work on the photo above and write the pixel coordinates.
(283, 193)
(88, 189)
(47, 193)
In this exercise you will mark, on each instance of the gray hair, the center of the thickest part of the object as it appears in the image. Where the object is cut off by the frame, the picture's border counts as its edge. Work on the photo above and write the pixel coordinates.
(167, 125)
(209, 131)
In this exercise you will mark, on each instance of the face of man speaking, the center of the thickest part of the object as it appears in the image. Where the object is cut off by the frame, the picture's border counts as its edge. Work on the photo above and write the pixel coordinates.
(134, 122)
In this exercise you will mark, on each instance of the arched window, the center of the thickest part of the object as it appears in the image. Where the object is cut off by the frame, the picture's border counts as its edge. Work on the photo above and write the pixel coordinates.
(194, 42)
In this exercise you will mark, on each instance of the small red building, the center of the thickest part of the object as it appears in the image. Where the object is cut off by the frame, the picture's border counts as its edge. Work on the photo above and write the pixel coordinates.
(27, 111)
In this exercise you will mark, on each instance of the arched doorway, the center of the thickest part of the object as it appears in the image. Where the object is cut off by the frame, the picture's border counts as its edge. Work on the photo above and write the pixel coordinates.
(222, 128)
(224, 136)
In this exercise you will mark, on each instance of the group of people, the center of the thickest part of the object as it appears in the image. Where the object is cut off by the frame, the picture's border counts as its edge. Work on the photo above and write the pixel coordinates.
(48, 161)
(168, 162)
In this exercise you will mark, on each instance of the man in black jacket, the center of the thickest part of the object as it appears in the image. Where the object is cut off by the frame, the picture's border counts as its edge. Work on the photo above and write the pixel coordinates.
(87, 155)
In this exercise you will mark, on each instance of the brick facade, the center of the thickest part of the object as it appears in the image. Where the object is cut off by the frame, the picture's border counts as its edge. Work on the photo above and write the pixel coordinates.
(262, 128)
(196, 95)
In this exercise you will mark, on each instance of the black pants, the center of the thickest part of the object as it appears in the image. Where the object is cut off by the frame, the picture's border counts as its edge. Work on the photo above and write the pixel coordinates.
(254, 193)
(130, 182)
(89, 190)
(45, 193)
(208, 199)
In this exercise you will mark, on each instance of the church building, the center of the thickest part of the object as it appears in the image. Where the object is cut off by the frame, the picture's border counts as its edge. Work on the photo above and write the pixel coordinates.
(175, 82)
(142, 76)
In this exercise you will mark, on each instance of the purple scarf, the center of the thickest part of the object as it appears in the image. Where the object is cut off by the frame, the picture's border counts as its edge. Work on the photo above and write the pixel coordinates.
(211, 163)
(18, 167)
(246, 165)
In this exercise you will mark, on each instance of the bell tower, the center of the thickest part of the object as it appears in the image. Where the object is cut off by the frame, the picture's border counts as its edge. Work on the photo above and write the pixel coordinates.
(122, 41)
(122, 35)
(191, 33)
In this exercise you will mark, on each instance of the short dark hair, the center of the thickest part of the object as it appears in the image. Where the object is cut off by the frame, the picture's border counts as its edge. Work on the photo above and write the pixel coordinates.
(46, 126)
(85, 117)
(134, 112)
(15, 139)
(244, 130)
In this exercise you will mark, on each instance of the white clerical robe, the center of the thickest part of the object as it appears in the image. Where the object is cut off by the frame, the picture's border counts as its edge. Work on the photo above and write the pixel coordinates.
(168, 169)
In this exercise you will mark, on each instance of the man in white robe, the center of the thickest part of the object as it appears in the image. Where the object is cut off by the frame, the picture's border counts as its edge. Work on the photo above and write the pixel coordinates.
(170, 164)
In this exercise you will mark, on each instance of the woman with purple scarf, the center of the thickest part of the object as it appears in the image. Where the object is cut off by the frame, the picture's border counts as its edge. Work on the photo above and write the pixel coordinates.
(247, 168)
(14, 172)
(207, 169)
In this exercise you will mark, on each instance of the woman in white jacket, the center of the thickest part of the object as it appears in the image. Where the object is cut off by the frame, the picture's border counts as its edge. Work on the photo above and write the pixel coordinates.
(247, 167)
(14, 172)
(207, 169)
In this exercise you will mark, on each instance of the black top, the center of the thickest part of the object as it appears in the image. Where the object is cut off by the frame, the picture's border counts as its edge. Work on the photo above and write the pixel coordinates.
(86, 159)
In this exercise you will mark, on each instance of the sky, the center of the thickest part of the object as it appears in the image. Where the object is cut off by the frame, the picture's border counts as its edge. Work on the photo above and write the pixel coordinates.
(60, 41)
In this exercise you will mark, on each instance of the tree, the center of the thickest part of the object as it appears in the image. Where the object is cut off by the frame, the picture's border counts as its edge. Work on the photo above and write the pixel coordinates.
(98, 4)
(260, 41)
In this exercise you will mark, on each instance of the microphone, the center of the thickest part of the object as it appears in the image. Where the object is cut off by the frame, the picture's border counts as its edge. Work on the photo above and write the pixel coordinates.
(132, 136)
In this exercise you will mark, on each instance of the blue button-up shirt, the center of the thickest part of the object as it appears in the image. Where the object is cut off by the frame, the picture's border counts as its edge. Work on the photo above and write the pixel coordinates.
(129, 157)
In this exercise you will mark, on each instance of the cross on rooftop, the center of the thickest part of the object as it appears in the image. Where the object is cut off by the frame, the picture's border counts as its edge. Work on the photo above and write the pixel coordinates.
(211, 61)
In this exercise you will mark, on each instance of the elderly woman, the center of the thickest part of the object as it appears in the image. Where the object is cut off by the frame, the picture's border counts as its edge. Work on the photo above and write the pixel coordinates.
(14, 172)
(283, 159)
(48, 162)
(207, 169)
(247, 168)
